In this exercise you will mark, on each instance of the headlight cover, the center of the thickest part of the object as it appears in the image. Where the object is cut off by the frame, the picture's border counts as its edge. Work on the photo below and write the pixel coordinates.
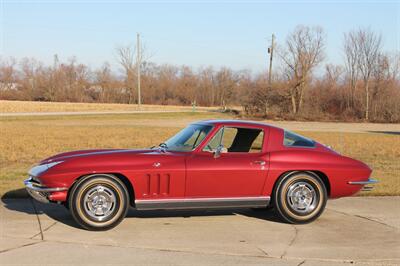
(38, 169)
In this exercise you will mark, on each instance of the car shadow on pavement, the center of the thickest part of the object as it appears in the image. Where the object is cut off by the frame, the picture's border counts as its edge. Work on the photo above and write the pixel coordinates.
(61, 214)
(29, 206)
(262, 214)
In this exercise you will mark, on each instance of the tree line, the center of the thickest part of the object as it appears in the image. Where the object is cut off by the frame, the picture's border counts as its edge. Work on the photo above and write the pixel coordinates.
(304, 86)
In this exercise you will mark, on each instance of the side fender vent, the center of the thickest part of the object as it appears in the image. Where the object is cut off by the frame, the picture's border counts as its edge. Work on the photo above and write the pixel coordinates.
(157, 185)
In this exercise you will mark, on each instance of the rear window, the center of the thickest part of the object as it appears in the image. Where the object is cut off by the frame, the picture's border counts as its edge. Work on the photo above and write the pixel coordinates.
(295, 140)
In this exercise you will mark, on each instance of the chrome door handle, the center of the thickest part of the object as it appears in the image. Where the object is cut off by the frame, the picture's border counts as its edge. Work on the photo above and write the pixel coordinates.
(259, 162)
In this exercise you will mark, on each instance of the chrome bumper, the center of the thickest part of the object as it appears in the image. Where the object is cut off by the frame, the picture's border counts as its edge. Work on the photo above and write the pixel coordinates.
(366, 184)
(38, 192)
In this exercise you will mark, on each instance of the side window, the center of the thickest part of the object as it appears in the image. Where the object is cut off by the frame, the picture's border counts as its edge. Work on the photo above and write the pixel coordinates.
(237, 140)
(196, 138)
(294, 140)
(229, 136)
(215, 141)
(257, 145)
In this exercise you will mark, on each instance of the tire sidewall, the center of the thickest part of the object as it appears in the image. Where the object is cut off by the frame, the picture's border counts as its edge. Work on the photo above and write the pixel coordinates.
(78, 192)
(280, 199)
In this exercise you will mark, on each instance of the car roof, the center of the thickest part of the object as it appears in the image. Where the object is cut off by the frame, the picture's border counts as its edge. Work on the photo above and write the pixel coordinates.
(233, 122)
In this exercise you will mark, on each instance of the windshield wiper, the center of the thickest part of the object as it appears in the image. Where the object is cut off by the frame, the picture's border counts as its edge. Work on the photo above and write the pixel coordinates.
(163, 145)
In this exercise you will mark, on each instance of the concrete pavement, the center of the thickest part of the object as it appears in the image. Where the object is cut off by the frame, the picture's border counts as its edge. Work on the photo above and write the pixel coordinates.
(360, 231)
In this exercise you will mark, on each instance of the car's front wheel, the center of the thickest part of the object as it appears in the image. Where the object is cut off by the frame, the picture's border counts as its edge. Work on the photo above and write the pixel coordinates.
(99, 202)
(300, 197)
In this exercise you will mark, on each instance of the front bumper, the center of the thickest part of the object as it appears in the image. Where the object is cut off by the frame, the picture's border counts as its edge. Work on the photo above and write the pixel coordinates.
(39, 192)
(366, 184)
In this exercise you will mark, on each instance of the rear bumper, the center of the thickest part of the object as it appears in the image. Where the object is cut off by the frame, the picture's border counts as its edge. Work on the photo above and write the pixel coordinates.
(39, 192)
(367, 184)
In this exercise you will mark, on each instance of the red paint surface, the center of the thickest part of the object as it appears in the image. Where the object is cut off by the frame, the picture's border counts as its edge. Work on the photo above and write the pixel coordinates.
(199, 174)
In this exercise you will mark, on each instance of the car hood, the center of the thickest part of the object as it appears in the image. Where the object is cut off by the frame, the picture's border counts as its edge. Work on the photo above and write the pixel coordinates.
(85, 153)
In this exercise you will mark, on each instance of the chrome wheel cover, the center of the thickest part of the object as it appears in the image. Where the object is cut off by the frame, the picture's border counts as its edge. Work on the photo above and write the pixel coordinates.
(99, 202)
(302, 197)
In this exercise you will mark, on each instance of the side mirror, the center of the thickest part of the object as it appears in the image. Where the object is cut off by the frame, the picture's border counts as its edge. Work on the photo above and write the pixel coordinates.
(220, 149)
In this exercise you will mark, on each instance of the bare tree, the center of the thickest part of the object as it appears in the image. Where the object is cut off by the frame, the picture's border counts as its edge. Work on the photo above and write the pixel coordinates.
(206, 86)
(126, 58)
(226, 82)
(30, 77)
(333, 73)
(303, 52)
(369, 45)
(352, 55)
(104, 79)
(8, 73)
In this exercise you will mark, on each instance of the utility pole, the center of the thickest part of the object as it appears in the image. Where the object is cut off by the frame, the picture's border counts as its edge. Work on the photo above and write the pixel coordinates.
(271, 54)
(138, 63)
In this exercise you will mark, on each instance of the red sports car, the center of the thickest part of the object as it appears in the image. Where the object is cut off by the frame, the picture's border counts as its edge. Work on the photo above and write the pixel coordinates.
(209, 164)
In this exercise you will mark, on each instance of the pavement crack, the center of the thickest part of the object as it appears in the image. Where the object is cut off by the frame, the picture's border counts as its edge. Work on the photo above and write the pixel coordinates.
(161, 249)
(296, 231)
(243, 236)
(365, 218)
(263, 251)
(301, 263)
(375, 221)
(38, 219)
(173, 250)
(44, 230)
(21, 246)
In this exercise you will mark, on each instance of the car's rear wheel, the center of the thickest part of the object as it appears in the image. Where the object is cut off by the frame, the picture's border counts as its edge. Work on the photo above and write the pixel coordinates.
(300, 197)
(99, 202)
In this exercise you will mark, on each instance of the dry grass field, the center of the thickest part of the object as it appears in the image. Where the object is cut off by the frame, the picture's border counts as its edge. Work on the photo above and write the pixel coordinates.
(29, 106)
(26, 140)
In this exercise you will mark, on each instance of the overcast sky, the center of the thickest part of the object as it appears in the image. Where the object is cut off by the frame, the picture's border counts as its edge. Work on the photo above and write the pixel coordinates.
(195, 33)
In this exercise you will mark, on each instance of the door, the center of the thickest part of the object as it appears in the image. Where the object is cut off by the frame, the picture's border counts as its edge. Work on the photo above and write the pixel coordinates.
(239, 171)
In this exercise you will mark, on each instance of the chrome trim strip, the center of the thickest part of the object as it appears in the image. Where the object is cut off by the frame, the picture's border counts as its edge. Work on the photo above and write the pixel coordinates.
(203, 199)
(38, 169)
(366, 182)
(39, 196)
(202, 203)
(36, 187)
(38, 192)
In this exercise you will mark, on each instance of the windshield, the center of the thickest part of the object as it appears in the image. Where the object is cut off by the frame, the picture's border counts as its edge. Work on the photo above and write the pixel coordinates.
(188, 138)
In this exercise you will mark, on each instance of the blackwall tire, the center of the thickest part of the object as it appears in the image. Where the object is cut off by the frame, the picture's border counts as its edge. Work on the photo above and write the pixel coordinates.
(99, 202)
(299, 197)
(270, 207)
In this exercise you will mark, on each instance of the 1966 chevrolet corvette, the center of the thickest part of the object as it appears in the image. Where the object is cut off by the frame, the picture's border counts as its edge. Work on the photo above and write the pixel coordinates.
(209, 164)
